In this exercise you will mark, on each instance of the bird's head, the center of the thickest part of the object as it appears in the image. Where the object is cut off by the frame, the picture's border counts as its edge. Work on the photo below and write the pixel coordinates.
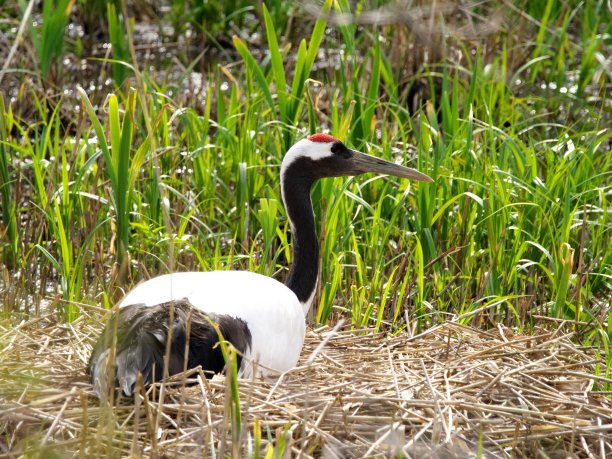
(322, 155)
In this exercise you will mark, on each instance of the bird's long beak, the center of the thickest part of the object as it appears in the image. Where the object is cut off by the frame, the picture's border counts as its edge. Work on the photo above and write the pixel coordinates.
(367, 163)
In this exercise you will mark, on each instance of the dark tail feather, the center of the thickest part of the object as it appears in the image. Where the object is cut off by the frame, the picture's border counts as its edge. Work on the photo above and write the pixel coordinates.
(142, 333)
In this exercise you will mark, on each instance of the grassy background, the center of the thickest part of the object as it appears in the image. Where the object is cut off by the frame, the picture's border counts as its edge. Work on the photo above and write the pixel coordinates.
(161, 151)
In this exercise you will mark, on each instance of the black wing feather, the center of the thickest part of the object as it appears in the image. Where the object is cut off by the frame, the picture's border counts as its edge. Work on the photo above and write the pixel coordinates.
(142, 334)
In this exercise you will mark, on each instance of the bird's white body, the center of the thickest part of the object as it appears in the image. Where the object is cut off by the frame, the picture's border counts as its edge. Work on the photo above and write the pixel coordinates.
(271, 311)
(262, 317)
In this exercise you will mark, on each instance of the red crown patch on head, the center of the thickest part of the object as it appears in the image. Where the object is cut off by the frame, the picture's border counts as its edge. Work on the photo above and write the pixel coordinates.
(322, 138)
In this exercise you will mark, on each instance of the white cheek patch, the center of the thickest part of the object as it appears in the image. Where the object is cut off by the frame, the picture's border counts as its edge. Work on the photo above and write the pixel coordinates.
(306, 149)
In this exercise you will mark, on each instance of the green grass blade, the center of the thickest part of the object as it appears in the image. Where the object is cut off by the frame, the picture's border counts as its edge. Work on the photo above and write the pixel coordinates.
(255, 70)
(277, 66)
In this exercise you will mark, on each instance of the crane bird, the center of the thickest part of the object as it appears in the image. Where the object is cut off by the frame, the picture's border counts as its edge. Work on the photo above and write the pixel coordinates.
(261, 317)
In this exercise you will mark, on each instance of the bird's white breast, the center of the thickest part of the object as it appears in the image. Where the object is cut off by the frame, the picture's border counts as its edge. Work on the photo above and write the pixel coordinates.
(271, 311)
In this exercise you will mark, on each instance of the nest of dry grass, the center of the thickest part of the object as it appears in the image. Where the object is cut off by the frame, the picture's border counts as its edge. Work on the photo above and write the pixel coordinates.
(452, 391)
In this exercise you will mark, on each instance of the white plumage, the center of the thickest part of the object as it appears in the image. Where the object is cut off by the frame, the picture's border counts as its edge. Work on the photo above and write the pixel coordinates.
(272, 312)
(262, 318)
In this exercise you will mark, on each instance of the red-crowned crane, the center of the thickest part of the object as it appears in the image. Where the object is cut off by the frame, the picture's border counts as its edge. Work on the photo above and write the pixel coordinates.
(262, 318)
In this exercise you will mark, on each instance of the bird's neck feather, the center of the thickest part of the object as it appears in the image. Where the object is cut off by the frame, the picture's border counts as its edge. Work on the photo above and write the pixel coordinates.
(302, 279)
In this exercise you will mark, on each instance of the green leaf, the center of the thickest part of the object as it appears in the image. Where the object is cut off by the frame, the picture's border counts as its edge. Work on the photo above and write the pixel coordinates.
(255, 70)
(277, 65)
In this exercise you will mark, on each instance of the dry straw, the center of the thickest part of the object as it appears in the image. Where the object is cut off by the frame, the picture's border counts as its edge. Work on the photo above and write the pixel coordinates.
(451, 391)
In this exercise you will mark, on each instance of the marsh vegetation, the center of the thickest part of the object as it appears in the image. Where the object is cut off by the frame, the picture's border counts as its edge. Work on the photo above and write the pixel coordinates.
(139, 138)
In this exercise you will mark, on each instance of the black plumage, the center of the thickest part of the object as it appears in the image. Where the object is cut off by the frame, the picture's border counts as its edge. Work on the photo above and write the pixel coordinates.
(271, 326)
(142, 333)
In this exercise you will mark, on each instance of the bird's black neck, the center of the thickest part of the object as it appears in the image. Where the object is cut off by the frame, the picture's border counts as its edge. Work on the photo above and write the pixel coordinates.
(303, 274)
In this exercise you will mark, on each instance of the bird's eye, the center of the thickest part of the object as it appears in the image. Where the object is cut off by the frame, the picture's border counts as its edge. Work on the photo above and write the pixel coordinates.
(339, 149)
